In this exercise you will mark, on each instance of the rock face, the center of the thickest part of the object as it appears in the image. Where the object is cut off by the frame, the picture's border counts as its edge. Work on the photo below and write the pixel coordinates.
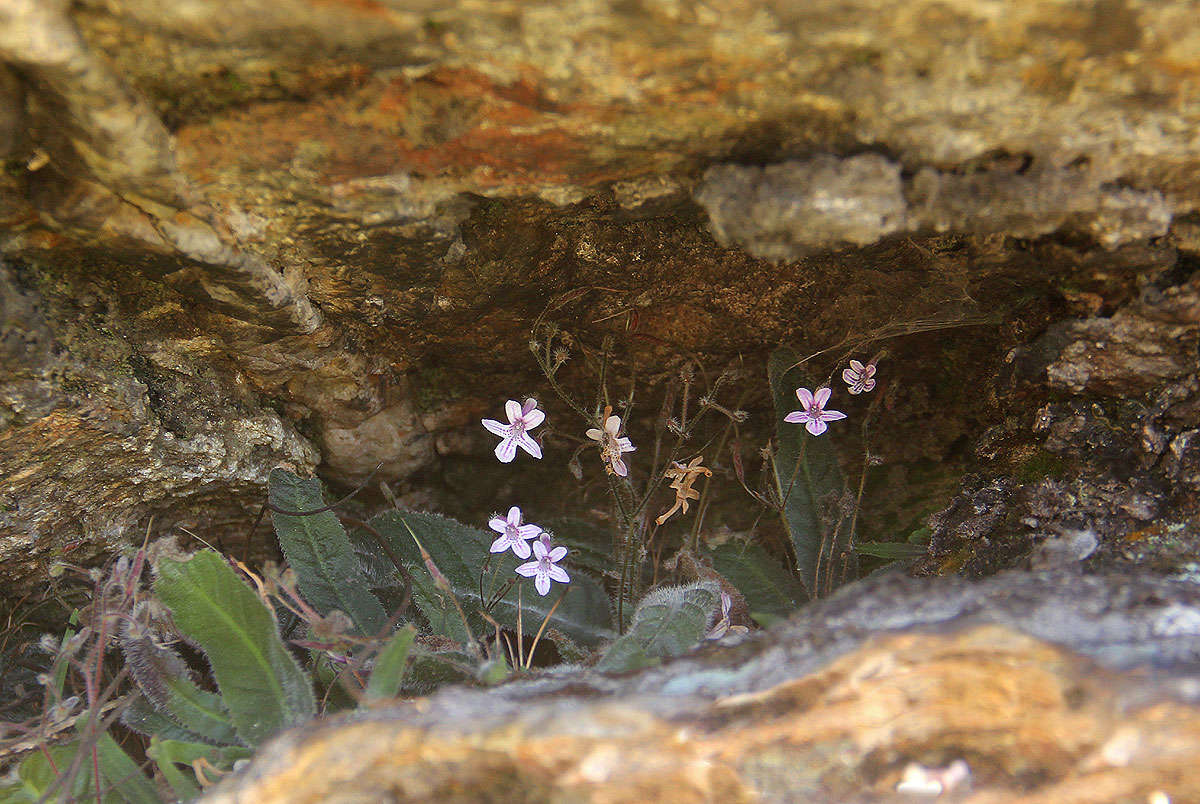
(246, 233)
(830, 707)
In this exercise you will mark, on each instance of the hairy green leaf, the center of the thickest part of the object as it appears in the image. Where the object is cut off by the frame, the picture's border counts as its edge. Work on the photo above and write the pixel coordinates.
(767, 585)
(319, 550)
(668, 622)
(808, 478)
(260, 681)
(165, 680)
(389, 665)
(460, 553)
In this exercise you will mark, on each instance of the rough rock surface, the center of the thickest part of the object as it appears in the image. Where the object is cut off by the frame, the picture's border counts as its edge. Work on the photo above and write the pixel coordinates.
(317, 232)
(829, 707)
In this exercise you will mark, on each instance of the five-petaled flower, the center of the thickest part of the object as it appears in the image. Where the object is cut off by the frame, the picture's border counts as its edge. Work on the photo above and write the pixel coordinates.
(813, 414)
(520, 419)
(612, 445)
(859, 377)
(542, 569)
(512, 533)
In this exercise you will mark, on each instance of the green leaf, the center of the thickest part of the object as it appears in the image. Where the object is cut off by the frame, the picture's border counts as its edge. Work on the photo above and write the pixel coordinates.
(891, 551)
(765, 583)
(260, 681)
(807, 475)
(460, 552)
(668, 622)
(429, 670)
(38, 772)
(389, 665)
(169, 753)
(165, 680)
(121, 772)
(142, 717)
(317, 548)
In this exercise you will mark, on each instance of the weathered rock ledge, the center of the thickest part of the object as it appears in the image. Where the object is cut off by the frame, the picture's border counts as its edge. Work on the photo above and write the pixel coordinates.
(1053, 687)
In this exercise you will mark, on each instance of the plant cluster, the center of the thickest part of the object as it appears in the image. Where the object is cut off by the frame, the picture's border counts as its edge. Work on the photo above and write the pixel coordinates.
(216, 657)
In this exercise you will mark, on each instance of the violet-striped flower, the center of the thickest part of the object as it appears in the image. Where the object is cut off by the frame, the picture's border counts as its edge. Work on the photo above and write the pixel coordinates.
(513, 534)
(521, 418)
(813, 413)
(858, 377)
(543, 568)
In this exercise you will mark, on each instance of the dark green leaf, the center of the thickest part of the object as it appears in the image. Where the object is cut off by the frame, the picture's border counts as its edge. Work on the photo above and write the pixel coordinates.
(317, 548)
(668, 622)
(891, 551)
(765, 583)
(260, 681)
(460, 552)
(389, 665)
(807, 475)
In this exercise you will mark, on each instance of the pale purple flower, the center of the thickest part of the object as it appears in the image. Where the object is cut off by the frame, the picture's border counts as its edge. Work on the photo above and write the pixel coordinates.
(512, 533)
(611, 444)
(813, 414)
(860, 378)
(543, 568)
(520, 419)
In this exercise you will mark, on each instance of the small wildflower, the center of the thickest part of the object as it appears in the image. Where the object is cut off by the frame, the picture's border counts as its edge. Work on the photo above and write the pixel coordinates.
(520, 419)
(814, 414)
(860, 378)
(612, 445)
(543, 568)
(512, 533)
(722, 626)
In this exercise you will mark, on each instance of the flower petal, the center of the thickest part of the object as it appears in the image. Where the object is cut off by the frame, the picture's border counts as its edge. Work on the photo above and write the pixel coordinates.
(620, 468)
(816, 426)
(796, 416)
(625, 445)
(857, 366)
(869, 371)
(805, 396)
(613, 425)
(539, 549)
(495, 428)
(868, 385)
(821, 397)
(832, 415)
(533, 418)
(497, 524)
(855, 389)
(558, 574)
(528, 569)
(528, 531)
(557, 554)
(542, 584)
(514, 516)
(593, 434)
(520, 548)
(528, 407)
(529, 445)
(513, 408)
(500, 545)
(506, 450)
(849, 377)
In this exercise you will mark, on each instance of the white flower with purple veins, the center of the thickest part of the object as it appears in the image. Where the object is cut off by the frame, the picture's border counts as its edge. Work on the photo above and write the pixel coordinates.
(521, 418)
(512, 533)
(860, 378)
(813, 414)
(611, 444)
(543, 568)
